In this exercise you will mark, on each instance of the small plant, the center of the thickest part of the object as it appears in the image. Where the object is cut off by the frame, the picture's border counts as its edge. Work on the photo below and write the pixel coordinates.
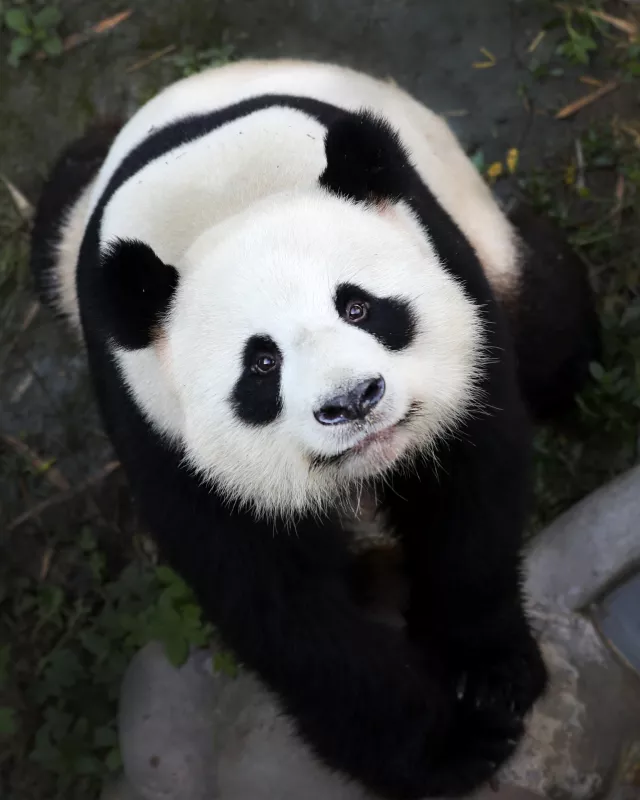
(579, 43)
(602, 437)
(191, 61)
(33, 30)
(59, 685)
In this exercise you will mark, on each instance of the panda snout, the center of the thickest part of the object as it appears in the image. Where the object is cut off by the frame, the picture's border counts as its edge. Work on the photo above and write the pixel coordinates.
(354, 404)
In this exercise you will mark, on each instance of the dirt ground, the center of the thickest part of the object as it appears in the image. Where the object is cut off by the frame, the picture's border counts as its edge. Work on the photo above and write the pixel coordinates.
(492, 67)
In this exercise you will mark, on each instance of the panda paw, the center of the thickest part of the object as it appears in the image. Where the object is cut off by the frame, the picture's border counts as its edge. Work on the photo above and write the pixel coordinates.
(493, 696)
(508, 683)
(476, 749)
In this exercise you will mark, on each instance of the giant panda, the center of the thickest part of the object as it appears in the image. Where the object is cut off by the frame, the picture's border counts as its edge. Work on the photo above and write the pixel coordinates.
(305, 315)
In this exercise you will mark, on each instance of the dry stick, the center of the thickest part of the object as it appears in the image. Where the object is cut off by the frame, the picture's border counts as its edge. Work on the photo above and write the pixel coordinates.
(76, 39)
(586, 100)
(52, 474)
(150, 59)
(62, 497)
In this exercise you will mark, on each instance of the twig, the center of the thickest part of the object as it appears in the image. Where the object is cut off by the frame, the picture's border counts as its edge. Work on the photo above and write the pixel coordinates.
(76, 39)
(23, 206)
(536, 42)
(580, 180)
(630, 28)
(63, 497)
(21, 388)
(616, 211)
(150, 59)
(52, 474)
(45, 564)
(624, 25)
(577, 105)
(590, 81)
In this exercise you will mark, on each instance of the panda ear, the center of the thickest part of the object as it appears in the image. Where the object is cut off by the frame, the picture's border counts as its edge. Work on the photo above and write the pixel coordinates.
(134, 292)
(365, 159)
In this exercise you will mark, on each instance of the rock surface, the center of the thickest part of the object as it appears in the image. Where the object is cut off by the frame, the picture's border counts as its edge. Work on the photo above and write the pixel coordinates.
(588, 547)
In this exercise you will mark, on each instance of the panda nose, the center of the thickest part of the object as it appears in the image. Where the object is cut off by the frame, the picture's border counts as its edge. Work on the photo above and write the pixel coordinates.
(352, 405)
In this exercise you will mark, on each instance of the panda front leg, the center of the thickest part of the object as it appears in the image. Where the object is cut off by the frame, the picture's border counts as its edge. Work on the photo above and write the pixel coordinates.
(462, 534)
(357, 691)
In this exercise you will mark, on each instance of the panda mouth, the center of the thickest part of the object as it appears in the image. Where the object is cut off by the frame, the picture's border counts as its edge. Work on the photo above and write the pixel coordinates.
(381, 438)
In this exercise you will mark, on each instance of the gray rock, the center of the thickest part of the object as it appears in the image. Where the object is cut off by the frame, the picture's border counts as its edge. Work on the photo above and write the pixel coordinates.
(190, 734)
(588, 547)
(167, 719)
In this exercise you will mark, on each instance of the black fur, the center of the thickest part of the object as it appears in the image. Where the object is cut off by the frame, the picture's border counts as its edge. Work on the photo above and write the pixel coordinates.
(389, 319)
(75, 167)
(554, 319)
(132, 291)
(365, 159)
(380, 706)
(256, 398)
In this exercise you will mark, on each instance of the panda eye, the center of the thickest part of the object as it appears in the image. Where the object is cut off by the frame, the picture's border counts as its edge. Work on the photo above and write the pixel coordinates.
(356, 311)
(264, 363)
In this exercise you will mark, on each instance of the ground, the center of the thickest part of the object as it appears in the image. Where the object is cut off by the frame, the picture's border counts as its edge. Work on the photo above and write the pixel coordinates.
(79, 589)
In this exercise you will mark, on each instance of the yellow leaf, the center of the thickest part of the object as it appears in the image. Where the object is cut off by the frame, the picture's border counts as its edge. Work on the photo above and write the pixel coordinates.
(570, 175)
(512, 159)
(494, 171)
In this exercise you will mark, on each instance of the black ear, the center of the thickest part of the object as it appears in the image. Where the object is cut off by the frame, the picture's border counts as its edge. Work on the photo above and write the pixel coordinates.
(365, 159)
(134, 291)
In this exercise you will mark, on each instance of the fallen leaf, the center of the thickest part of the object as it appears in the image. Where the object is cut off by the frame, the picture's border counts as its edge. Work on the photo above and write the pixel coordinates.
(490, 62)
(512, 159)
(494, 171)
(570, 175)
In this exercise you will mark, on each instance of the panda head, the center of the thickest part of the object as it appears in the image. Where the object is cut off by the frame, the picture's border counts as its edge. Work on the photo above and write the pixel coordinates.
(311, 343)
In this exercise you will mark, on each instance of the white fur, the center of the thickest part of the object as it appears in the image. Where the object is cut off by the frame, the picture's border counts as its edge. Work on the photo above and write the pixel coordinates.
(434, 149)
(63, 280)
(260, 250)
(273, 270)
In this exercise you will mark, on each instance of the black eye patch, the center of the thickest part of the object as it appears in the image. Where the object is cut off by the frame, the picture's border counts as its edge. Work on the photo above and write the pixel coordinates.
(389, 319)
(256, 397)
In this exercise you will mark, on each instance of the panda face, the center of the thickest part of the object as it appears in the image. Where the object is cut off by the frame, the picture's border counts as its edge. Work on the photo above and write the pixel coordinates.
(313, 343)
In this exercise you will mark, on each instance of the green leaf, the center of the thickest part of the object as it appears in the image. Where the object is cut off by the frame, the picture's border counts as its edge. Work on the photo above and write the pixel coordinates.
(176, 649)
(8, 724)
(49, 17)
(596, 371)
(113, 761)
(87, 765)
(20, 46)
(225, 663)
(478, 160)
(17, 20)
(105, 736)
